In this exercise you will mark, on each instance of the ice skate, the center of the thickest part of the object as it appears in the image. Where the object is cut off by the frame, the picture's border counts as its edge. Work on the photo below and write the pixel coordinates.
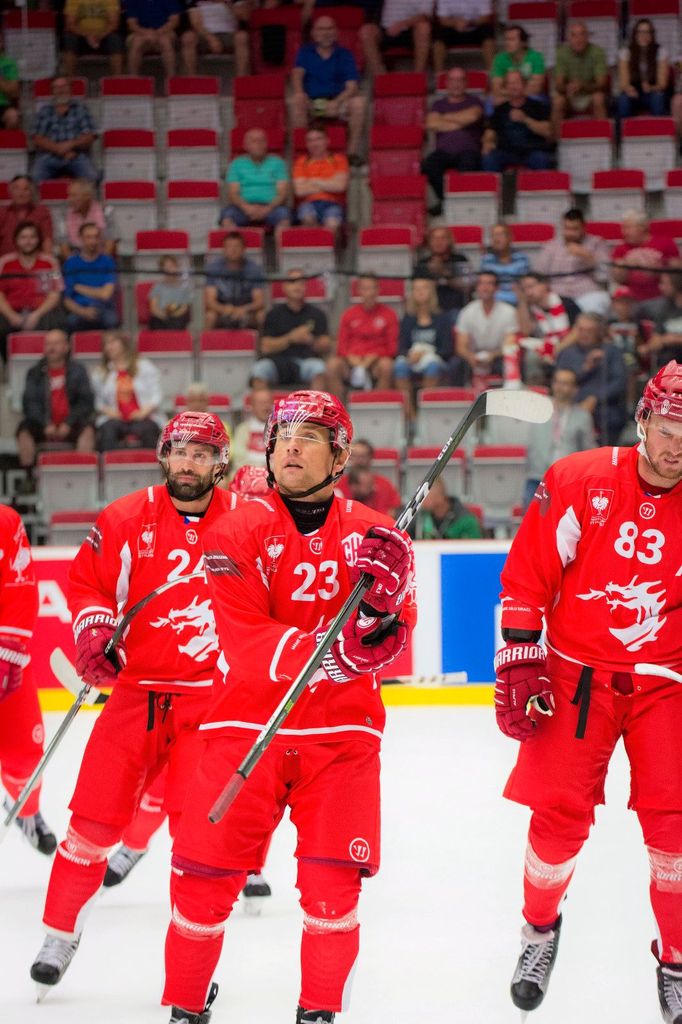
(255, 892)
(121, 863)
(534, 968)
(37, 831)
(49, 966)
(314, 1016)
(180, 1016)
(669, 989)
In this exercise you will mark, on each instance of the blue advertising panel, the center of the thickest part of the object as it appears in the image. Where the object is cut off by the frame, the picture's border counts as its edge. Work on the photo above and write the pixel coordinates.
(470, 587)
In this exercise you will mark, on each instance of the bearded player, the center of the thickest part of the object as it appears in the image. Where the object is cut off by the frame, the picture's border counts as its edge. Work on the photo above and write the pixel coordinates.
(599, 555)
(279, 570)
(163, 670)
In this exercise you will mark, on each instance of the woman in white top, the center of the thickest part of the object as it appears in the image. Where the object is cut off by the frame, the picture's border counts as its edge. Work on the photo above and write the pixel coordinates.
(128, 396)
(643, 73)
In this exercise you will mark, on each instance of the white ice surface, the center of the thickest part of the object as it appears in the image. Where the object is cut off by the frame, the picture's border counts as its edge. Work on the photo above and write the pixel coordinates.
(440, 922)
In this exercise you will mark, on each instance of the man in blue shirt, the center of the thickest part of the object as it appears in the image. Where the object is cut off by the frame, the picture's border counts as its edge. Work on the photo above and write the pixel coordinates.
(152, 28)
(234, 295)
(63, 134)
(325, 84)
(90, 285)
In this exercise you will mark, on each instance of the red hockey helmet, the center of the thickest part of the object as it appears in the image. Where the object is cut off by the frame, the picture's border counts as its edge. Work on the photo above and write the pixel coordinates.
(199, 427)
(250, 482)
(310, 407)
(662, 394)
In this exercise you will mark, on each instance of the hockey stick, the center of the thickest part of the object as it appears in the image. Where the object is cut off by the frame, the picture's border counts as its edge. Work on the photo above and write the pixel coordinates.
(109, 650)
(643, 668)
(66, 675)
(528, 406)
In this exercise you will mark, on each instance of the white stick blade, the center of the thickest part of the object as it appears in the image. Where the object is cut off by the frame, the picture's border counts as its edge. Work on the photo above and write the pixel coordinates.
(66, 675)
(643, 668)
(529, 406)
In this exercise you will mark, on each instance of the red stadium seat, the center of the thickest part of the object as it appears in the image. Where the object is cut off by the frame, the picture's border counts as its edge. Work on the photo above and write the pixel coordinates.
(400, 200)
(400, 98)
(289, 18)
(193, 101)
(614, 192)
(259, 101)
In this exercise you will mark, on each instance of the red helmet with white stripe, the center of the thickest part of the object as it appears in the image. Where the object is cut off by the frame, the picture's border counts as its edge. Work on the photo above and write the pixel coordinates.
(197, 427)
(662, 394)
(310, 407)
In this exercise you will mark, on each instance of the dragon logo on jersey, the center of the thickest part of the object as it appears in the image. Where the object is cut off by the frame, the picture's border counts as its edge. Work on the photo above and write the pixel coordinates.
(350, 545)
(637, 598)
(197, 618)
(600, 500)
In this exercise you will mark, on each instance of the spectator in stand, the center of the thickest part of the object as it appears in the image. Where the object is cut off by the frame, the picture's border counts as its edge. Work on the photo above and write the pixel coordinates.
(643, 73)
(483, 328)
(443, 517)
(234, 293)
(23, 209)
(58, 403)
(325, 81)
(404, 23)
(366, 343)
(666, 341)
(90, 281)
(362, 483)
(198, 399)
(457, 120)
(128, 396)
(507, 263)
(545, 320)
(463, 23)
(10, 90)
(152, 28)
(295, 341)
(170, 299)
(448, 268)
(83, 208)
(216, 27)
(624, 328)
(30, 287)
(258, 189)
(425, 343)
(517, 56)
(600, 371)
(641, 249)
(63, 135)
(248, 447)
(570, 429)
(320, 181)
(581, 77)
(520, 133)
(575, 264)
(92, 28)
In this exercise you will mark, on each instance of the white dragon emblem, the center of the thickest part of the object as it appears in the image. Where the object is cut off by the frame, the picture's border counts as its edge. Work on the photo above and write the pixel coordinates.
(639, 598)
(199, 618)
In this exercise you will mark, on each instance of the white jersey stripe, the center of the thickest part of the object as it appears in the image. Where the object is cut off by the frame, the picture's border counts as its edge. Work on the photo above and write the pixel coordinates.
(328, 731)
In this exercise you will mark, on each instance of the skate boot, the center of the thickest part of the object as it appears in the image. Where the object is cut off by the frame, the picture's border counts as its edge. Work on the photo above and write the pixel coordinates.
(669, 989)
(314, 1016)
(534, 969)
(255, 892)
(121, 863)
(50, 965)
(180, 1016)
(36, 831)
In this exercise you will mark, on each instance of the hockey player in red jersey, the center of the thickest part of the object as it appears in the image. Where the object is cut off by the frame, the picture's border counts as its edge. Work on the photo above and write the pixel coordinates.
(248, 482)
(279, 570)
(164, 670)
(21, 723)
(599, 554)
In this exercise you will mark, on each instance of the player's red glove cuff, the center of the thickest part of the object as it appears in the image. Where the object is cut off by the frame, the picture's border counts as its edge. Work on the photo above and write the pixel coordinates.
(92, 634)
(521, 686)
(365, 646)
(14, 657)
(386, 554)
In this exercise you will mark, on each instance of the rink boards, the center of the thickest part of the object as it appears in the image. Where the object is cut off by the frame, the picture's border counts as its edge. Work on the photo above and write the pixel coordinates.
(456, 635)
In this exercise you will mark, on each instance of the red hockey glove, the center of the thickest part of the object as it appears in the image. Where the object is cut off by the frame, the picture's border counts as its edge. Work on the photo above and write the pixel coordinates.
(386, 554)
(521, 685)
(366, 644)
(92, 634)
(13, 658)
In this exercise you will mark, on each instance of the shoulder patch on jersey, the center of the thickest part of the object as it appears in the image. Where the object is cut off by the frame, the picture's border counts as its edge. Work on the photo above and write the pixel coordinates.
(146, 541)
(220, 564)
(94, 538)
(601, 500)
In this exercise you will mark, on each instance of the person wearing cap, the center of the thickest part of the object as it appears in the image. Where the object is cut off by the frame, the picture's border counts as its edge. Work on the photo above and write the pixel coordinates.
(596, 563)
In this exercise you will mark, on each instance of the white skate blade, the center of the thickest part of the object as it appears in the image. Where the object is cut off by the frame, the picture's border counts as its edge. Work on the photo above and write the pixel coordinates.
(42, 991)
(524, 1015)
(253, 905)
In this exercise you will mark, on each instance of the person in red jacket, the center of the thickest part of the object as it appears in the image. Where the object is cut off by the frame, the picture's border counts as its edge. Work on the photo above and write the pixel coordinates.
(599, 555)
(21, 722)
(366, 342)
(163, 673)
(279, 571)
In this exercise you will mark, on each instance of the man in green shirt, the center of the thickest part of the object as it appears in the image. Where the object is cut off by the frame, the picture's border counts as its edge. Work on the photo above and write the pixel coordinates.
(257, 187)
(9, 90)
(517, 56)
(444, 518)
(580, 77)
